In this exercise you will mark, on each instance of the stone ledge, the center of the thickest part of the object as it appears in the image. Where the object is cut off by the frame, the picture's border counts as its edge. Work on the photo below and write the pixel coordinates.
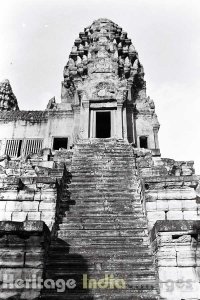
(26, 227)
(169, 178)
(191, 227)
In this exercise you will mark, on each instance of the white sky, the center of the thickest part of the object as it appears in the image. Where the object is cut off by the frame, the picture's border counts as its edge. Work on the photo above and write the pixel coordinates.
(36, 37)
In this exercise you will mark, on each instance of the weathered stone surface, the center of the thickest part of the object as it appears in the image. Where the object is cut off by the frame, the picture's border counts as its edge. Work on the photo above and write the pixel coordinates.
(8, 100)
(99, 232)
(170, 226)
(22, 256)
(176, 250)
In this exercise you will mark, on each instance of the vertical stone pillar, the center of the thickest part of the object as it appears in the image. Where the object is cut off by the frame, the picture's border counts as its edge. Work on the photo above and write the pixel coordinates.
(129, 122)
(76, 109)
(155, 132)
(113, 117)
(119, 120)
(124, 124)
(92, 124)
(84, 120)
(134, 127)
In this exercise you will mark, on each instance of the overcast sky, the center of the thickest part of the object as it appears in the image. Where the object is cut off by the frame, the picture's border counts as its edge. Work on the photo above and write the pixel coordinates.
(36, 37)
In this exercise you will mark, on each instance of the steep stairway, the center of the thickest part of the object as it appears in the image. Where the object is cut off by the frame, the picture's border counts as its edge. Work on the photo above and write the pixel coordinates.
(104, 231)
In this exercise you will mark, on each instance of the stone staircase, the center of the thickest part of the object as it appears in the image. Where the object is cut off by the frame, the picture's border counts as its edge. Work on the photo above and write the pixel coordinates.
(104, 230)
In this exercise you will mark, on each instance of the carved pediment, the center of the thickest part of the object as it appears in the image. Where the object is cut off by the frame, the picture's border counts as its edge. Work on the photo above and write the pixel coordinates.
(104, 90)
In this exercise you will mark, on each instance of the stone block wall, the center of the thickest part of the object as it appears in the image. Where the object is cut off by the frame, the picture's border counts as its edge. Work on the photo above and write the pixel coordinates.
(176, 246)
(170, 188)
(30, 198)
(31, 188)
(171, 198)
(23, 251)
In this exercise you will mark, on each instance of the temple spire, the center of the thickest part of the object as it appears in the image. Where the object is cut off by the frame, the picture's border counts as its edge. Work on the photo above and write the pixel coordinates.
(8, 101)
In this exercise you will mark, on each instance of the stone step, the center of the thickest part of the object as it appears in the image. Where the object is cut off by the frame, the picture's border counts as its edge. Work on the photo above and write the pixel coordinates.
(134, 223)
(106, 213)
(104, 240)
(59, 246)
(106, 173)
(105, 207)
(126, 255)
(105, 219)
(97, 187)
(101, 153)
(92, 191)
(81, 199)
(103, 228)
(100, 213)
(93, 250)
(100, 200)
(136, 232)
(78, 201)
(101, 182)
(110, 264)
(103, 166)
(111, 162)
(107, 226)
(126, 295)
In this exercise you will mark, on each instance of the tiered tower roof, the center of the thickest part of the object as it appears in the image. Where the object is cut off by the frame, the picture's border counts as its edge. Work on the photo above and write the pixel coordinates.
(8, 101)
(103, 47)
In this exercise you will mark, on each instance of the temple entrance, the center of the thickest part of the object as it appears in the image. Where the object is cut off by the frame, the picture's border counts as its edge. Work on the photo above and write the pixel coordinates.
(103, 124)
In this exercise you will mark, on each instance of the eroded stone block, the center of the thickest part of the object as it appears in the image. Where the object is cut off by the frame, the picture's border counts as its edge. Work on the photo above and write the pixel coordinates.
(19, 216)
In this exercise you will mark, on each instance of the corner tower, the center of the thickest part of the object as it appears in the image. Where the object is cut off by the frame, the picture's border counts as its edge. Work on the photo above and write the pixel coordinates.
(104, 85)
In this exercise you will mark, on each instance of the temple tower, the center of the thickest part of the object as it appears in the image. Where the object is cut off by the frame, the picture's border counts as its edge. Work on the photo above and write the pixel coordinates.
(104, 84)
(8, 101)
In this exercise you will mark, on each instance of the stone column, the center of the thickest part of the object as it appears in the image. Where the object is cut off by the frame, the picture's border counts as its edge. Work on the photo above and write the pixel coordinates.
(134, 127)
(76, 109)
(119, 120)
(113, 115)
(155, 131)
(124, 124)
(84, 120)
(92, 124)
(129, 122)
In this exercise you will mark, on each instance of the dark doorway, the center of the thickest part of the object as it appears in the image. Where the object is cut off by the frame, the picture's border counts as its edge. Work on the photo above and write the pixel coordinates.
(103, 124)
(59, 143)
(143, 142)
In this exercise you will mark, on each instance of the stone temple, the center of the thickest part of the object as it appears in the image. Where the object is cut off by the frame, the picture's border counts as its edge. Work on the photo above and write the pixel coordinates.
(88, 207)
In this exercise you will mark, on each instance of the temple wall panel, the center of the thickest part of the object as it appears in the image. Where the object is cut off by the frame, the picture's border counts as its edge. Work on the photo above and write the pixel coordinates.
(57, 126)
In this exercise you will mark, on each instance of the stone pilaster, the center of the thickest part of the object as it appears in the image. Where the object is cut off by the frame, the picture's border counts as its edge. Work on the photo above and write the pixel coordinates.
(76, 109)
(119, 123)
(155, 131)
(84, 120)
(124, 124)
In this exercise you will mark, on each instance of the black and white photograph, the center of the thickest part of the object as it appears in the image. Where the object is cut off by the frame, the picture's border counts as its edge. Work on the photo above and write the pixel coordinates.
(99, 150)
